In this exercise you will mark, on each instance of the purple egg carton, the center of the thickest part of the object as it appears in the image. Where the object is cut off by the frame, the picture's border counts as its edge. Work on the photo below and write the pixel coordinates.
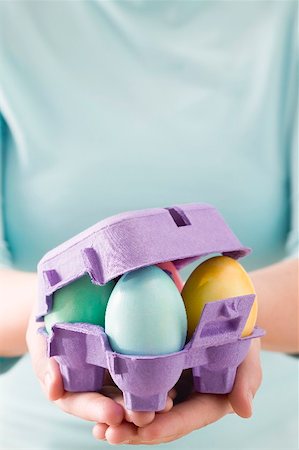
(126, 242)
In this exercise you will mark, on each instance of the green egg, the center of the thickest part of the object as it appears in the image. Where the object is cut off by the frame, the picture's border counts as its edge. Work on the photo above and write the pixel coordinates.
(80, 301)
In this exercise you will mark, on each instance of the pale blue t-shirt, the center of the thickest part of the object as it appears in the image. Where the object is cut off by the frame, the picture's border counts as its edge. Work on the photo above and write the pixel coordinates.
(108, 106)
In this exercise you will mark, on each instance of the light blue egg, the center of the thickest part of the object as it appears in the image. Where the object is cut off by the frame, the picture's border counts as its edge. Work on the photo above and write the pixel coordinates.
(145, 314)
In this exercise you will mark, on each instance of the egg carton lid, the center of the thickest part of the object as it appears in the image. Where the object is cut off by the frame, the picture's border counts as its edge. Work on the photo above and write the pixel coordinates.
(131, 240)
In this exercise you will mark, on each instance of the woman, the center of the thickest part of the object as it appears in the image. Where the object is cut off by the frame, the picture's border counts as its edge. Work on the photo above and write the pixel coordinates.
(113, 106)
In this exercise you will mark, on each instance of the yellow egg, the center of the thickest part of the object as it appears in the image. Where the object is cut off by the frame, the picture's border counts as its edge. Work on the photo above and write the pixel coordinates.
(215, 279)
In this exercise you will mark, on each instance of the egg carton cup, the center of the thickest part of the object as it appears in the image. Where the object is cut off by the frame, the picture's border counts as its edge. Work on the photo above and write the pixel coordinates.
(126, 242)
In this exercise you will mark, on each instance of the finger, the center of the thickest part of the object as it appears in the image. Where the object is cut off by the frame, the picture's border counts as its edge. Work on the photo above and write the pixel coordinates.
(99, 431)
(125, 433)
(248, 379)
(92, 406)
(46, 369)
(138, 418)
(53, 383)
(143, 418)
(171, 438)
(168, 406)
(196, 412)
(37, 346)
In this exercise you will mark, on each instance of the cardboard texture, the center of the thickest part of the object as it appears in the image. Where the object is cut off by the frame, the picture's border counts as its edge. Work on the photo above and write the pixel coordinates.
(126, 242)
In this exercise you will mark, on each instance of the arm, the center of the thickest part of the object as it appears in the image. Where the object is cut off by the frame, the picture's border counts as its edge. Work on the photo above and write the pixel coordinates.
(17, 293)
(277, 292)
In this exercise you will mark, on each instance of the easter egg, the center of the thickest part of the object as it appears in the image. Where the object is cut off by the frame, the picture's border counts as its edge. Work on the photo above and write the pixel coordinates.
(145, 314)
(80, 301)
(215, 279)
(170, 268)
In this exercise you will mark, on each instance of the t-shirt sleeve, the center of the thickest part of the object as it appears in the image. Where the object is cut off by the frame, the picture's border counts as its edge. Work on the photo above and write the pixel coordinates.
(293, 236)
(7, 363)
(292, 246)
(5, 257)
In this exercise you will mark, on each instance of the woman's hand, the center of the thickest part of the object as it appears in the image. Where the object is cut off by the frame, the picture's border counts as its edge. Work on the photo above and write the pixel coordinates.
(89, 406)
(105, 407)
(192, 410)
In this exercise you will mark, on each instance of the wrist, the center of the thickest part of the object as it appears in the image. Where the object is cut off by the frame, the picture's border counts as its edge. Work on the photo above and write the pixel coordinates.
(17, 293)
